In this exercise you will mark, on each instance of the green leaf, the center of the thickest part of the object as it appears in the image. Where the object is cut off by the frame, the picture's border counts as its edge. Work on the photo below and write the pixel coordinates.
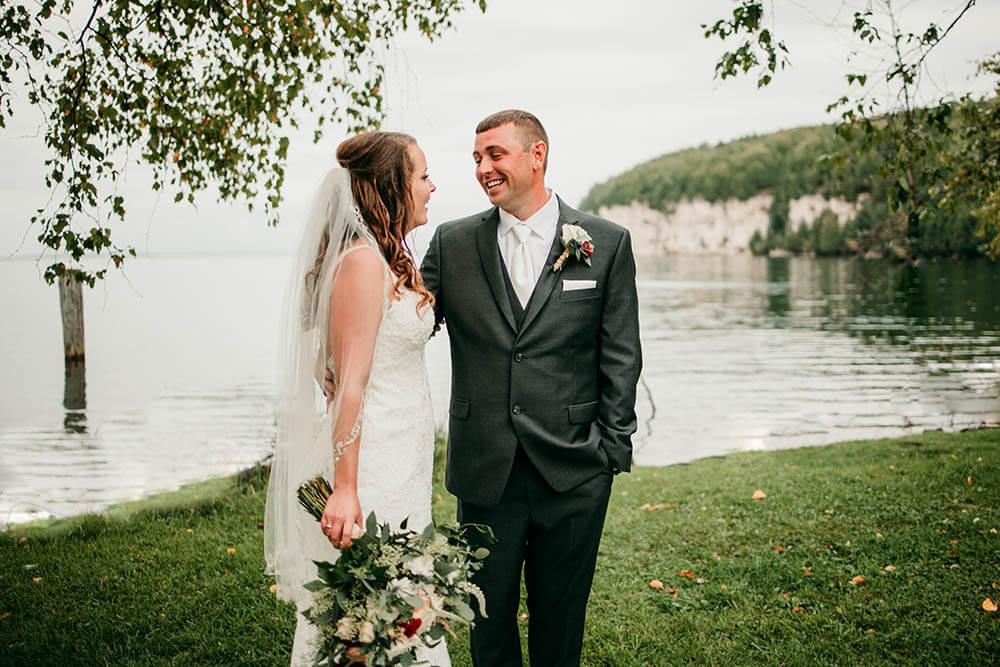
(464, 611)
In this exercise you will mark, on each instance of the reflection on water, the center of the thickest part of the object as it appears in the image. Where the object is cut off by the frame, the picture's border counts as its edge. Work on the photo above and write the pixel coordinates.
(749, 353)
(741, 353)
(178, 384)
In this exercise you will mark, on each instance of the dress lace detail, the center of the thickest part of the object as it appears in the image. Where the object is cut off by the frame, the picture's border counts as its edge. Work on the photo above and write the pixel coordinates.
(396, 458)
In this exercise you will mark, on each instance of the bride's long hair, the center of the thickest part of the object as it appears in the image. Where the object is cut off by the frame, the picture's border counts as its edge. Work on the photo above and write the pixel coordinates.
(381, 171)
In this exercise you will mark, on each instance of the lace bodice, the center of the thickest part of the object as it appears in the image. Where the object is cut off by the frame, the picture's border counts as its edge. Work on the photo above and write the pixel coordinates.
(397, 425)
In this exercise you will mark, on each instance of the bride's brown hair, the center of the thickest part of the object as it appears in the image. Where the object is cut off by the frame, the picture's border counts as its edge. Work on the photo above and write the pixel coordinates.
(380, 168)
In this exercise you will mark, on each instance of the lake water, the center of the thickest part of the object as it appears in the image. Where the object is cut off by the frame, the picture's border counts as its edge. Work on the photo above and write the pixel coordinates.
(741, 353)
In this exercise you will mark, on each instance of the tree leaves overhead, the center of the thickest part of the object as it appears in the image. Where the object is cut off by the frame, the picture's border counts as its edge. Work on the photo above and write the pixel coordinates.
(204, 91)
(944, 155)
(759, 42)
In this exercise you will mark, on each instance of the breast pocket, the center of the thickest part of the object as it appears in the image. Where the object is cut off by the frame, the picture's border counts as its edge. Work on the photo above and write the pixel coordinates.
(580, 294)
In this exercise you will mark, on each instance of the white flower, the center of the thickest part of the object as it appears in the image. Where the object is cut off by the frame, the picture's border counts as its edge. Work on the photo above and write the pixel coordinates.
(572, 233)
(366, 635)
(421, 567)
(404, 586)
(346, 628)
(398, 648)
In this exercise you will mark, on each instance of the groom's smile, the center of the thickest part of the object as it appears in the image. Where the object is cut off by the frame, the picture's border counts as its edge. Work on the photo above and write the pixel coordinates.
(510, 169)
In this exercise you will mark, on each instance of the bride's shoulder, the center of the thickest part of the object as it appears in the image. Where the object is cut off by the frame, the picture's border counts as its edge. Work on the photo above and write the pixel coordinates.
(361, 263)
(362, 256)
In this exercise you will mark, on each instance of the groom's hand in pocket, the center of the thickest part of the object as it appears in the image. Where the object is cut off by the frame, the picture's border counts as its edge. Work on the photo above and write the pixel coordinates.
(341, 518)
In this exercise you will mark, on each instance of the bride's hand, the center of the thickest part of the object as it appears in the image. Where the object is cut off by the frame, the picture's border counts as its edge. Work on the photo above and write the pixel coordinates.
(341, 518)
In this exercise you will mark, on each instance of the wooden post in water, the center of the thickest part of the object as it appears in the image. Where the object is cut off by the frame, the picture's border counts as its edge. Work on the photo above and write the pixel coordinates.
(71, 304)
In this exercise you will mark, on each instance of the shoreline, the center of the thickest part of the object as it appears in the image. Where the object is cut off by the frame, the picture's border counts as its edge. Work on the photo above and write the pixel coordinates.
(196, 491)
(864, 552)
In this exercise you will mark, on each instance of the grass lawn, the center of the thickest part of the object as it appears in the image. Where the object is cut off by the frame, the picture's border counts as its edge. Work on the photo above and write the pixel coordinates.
(876, 552)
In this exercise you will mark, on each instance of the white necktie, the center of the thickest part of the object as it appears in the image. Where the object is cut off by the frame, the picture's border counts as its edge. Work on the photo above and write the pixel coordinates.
(522, 273)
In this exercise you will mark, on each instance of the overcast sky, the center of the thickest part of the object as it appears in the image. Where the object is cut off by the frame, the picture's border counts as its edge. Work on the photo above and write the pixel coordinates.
(615, 84)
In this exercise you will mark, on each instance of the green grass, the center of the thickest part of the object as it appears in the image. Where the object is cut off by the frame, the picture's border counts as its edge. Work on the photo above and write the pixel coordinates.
(769, 584)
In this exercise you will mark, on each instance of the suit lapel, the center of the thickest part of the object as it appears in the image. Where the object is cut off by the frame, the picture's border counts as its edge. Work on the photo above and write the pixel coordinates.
(486, 241)
(547, 281)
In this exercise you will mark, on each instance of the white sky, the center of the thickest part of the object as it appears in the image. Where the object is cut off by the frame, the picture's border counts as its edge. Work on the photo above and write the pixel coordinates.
(615, 84)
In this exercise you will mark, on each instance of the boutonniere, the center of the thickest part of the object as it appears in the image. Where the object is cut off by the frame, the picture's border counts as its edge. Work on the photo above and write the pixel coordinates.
(576, 242)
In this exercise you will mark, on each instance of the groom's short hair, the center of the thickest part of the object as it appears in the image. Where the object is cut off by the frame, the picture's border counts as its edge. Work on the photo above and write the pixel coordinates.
(530, 127)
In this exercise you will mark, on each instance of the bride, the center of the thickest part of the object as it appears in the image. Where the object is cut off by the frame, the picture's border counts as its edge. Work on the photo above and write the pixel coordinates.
(356, 310)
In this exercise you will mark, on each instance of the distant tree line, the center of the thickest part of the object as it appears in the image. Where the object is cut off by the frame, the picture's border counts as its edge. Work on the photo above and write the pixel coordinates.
(804, 161)
(936, 163)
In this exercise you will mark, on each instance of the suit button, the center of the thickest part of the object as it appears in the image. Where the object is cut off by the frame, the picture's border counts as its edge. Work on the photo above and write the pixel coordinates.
(517, 409)
(518, 356)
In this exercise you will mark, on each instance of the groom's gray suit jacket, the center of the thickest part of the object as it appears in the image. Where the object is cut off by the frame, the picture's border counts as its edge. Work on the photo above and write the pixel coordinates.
(558, 377)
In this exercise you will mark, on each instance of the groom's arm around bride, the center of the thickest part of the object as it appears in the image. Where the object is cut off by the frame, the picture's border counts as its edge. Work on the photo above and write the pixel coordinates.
(544, 370)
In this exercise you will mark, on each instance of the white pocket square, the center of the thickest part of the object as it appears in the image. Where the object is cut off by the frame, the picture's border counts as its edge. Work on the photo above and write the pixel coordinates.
(573, 285)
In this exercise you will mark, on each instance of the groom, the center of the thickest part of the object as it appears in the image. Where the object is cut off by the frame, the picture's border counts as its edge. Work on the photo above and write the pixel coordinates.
(544, 371)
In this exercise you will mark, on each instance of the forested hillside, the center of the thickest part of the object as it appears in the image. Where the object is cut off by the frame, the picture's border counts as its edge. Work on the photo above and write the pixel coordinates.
(787, 164)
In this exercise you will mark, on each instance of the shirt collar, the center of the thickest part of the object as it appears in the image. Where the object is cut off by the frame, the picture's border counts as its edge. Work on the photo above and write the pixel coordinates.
(544, 220)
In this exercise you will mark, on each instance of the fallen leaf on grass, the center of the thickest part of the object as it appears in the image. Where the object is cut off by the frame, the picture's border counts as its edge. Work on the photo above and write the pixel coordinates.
(657, 584)
(189, 530)
(989, 605)
(878, 536)
(807, 572)
(968, 481)
(779, 549)
(687, 574)
(858, 580)
(758, 495)
(996, 586)
(673, 591)
(798, 609)
(36, 580)
(4, 616)
(655, 507)
(700, 580)
(273, 588)
(716, 556)
(889, 568)
(787, 596)
(723, 588)
(231, 551)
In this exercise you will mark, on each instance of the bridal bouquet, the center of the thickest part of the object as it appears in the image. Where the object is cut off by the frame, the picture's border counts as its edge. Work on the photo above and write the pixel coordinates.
(392, 591)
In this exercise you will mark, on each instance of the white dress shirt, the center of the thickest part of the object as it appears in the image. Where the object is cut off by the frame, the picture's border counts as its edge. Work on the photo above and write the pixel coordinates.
(543, 225)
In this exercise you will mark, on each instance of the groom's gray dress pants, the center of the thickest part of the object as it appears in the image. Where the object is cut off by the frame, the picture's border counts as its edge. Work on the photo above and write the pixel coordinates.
(554, 537)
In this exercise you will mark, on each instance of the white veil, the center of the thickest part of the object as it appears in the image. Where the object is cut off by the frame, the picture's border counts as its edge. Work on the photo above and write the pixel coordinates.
(306, 428)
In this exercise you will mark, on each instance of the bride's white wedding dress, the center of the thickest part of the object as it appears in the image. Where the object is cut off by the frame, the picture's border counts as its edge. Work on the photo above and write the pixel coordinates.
(396, 458)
